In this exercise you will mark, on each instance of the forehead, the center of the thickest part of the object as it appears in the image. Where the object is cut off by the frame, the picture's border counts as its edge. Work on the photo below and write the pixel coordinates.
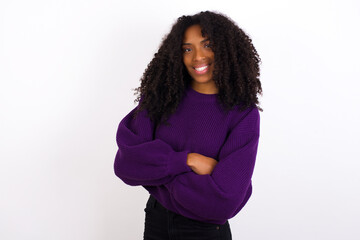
(193, 33)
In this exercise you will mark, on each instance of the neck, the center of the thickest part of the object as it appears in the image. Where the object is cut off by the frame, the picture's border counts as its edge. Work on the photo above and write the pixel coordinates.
(206, 88)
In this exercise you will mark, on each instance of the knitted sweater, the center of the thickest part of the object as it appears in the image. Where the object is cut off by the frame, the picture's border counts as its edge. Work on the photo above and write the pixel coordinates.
(157, 159)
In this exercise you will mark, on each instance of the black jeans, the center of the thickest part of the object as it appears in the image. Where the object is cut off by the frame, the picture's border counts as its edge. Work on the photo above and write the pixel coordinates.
(163, 224)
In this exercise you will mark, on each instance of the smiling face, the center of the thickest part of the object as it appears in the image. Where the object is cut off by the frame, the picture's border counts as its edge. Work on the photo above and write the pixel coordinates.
(198, 59)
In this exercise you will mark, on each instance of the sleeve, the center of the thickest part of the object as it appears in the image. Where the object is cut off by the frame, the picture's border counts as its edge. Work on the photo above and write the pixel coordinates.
(226, 190)
(141, 160)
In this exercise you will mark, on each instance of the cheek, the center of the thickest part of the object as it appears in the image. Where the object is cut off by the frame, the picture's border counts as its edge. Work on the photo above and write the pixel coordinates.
(186, 62)
(211, 56)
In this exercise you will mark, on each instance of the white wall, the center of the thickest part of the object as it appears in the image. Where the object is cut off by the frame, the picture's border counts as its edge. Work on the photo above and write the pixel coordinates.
(67, 71)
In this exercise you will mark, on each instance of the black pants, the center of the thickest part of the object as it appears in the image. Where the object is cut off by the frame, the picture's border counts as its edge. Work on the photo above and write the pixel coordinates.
(163, 224)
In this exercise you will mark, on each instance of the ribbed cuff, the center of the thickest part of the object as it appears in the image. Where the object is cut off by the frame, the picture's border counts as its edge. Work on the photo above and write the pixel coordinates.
(177, 163)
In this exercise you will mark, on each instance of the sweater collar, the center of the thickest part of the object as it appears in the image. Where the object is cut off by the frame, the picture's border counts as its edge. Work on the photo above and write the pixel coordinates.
(200, 96)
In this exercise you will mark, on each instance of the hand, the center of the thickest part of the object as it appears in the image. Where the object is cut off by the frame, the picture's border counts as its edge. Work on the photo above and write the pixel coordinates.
(201, 164)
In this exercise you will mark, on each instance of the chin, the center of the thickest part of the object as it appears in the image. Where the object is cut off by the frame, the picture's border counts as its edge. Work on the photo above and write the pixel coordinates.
(202, 79)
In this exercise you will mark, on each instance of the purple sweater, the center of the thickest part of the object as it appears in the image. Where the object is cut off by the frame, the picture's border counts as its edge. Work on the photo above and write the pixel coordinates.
(199, 125)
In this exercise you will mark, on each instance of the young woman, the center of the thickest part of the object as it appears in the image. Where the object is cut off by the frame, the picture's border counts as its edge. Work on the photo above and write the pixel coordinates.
(192, 140)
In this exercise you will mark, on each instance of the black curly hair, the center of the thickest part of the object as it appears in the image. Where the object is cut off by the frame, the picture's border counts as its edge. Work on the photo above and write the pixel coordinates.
(236, 69)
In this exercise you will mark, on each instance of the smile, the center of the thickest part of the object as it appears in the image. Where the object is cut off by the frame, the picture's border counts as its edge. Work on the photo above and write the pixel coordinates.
(202, 70)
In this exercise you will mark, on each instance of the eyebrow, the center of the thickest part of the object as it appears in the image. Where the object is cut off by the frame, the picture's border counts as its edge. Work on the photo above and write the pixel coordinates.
(207, 39)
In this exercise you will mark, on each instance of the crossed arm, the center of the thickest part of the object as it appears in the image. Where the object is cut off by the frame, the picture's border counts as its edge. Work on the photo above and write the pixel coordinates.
(201, 164)
(198, 185)
(141, 160)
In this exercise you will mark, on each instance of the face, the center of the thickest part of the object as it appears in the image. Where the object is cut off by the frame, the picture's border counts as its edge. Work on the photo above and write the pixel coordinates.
(198, 57)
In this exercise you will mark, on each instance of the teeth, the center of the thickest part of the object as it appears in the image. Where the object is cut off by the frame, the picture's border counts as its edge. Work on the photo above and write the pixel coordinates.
(201, 69)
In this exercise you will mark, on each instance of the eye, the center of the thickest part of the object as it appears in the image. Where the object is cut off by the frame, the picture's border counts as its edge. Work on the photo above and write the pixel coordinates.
(208, 45)
(185, 50)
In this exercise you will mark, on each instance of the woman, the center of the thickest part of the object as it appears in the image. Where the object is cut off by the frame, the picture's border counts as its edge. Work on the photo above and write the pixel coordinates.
(192, 140)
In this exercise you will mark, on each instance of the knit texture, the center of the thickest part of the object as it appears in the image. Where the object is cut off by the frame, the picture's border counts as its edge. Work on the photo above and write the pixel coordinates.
(157, 160)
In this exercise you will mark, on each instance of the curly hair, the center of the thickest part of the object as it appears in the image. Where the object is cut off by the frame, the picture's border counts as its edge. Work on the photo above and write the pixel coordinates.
(236, 67)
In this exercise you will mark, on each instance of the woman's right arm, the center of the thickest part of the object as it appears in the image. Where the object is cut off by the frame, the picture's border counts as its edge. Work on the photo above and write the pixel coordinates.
(142, 160)
(201, 164)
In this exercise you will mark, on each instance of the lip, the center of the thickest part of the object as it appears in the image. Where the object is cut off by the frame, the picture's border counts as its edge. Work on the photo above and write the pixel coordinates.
(203, 71)
(201, 65)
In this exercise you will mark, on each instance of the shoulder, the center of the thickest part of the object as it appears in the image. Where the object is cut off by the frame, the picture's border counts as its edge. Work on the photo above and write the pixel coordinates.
(247, 120)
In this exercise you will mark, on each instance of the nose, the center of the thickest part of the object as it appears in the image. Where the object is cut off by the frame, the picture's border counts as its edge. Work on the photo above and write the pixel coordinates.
(198, 55)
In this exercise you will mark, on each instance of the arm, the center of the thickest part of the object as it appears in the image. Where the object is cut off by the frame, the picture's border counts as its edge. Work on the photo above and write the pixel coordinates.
(201, 164)
(140, 160)
(221, 194)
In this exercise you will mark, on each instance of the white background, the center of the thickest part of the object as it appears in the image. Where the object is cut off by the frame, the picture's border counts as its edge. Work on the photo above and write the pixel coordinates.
(67, 71)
